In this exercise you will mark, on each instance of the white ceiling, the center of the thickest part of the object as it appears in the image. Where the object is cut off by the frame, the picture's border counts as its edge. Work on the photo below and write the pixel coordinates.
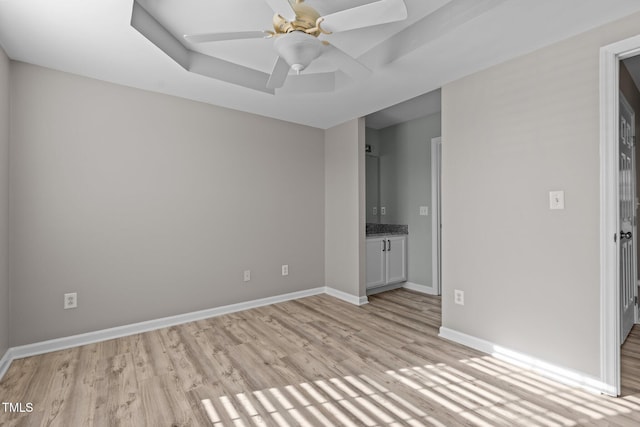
(420, 106)
(94, 38)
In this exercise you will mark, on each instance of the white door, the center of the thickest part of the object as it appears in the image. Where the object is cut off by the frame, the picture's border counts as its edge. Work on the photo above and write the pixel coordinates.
(396, 259)
(376, 250)
(627, 180)
(436, 226)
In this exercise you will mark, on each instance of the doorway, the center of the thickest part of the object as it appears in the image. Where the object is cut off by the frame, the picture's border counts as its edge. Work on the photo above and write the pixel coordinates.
(610, 211)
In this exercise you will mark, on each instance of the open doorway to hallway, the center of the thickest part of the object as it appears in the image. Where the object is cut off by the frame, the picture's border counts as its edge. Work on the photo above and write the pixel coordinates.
(629, 84)
(629, 179)
(618, 207)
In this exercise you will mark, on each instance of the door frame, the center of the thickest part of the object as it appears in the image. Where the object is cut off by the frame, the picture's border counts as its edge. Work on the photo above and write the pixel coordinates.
(436, 230)
(610, 57)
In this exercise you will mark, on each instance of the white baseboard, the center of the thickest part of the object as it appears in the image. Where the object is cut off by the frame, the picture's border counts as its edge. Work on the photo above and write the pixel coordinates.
(384, 288)
(351, 299)
(150, 325)
(5, 362)
(549, 370)
(419, 288)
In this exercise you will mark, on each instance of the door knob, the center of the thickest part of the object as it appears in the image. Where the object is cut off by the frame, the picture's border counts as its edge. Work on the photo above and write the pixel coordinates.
(626, 235)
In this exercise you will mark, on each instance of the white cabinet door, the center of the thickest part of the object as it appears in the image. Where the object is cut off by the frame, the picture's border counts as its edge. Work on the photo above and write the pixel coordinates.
(375, 262)
(396, 259)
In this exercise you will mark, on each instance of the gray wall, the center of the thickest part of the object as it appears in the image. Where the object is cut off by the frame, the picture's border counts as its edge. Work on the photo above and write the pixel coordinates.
(345, 208)
(511, 134)
(4, 199)
(405, 185)
(372, 138)
(149, 205)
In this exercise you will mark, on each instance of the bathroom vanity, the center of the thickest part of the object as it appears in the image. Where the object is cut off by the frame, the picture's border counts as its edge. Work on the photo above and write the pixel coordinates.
(386, 254)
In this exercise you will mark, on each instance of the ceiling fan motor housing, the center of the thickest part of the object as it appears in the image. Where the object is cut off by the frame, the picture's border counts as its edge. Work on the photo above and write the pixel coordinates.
(305, 20)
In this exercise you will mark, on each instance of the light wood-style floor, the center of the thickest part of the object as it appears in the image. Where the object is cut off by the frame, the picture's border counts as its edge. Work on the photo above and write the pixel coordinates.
(312, 362)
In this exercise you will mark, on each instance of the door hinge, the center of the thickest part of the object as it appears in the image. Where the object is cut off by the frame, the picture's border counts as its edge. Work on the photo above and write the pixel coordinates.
(615, 237)
(635, 299)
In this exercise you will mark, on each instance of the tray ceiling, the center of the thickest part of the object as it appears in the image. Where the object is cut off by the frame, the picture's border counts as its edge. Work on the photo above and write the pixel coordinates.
(442, 40)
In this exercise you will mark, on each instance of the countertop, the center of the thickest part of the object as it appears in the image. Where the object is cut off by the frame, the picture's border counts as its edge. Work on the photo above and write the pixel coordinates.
(384, 230)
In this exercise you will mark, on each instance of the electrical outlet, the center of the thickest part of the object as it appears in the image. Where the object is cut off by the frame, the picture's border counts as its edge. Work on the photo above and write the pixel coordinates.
(70, 300)
(247, 275)
(383, 210)
(458, 297)
(375, 210)
(285, 270)
(424, 210)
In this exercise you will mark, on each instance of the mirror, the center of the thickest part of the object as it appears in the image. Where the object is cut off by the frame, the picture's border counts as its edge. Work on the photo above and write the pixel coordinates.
(372, 171)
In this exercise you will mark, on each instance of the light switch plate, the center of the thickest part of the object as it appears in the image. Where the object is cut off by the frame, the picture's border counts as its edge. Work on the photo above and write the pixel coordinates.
(556, 199)
(424, 210)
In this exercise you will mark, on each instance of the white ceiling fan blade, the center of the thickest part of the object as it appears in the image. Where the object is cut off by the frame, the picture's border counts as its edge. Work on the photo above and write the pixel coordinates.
(279, 74)
(298, 84)
(378, 12)
(234, 35)
(346, 63)
(228, 71)
(282, 8)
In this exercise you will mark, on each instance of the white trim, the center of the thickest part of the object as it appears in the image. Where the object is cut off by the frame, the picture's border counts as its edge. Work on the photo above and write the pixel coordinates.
(429, 290)
(436, 232)
(637, 319)
(351, 299)
(609, 268)
(150, 325)
(5, 362)
(549, 370)
(383, 288)
(609, 218)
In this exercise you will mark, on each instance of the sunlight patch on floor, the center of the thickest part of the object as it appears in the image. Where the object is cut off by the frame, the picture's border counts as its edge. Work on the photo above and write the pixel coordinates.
(437, 395)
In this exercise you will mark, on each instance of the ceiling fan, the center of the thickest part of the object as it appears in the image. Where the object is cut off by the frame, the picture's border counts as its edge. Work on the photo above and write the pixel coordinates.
(297, 26)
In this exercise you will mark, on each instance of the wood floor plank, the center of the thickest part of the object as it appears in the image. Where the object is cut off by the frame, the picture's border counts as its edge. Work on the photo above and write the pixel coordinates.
(180, 354)
(79, 409)
(317, 361)
(164, 403)
(123, 401)
(61, 365)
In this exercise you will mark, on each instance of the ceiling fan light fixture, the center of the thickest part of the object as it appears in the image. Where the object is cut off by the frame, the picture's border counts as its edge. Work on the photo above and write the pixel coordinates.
(296, 28)
(298, 49)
